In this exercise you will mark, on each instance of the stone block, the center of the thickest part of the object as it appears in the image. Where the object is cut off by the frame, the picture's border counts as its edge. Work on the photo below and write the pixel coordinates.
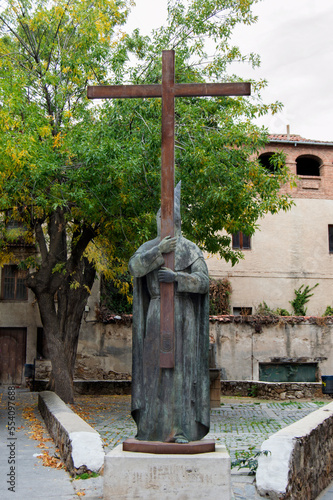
(146, 476)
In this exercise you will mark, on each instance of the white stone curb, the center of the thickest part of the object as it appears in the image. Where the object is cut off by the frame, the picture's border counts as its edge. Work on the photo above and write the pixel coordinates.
(80, 445)
(275, 477)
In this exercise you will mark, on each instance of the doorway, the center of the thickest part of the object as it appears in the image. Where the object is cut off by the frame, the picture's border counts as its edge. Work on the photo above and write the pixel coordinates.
(12, 354)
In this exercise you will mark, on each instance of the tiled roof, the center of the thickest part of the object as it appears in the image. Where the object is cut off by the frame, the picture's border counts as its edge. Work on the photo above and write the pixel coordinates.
(294, 138)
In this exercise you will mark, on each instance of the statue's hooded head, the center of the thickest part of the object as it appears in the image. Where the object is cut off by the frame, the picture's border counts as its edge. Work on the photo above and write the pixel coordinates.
(177, 218)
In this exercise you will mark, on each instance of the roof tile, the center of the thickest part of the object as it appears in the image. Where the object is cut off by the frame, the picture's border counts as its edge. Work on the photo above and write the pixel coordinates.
(293, 138)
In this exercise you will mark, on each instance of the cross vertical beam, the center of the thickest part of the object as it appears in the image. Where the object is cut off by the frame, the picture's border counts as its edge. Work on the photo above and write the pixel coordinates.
(167, 315)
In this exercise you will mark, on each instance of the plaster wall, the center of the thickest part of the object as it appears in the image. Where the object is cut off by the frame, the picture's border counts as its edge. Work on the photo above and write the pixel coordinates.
(240, 350)
(104, 351)
(289, 249)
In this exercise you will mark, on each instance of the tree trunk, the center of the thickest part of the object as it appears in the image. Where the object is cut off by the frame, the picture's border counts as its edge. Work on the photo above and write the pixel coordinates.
(61, 321)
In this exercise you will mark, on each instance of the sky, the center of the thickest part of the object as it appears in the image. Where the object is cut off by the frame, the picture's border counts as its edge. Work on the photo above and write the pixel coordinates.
(294, 39)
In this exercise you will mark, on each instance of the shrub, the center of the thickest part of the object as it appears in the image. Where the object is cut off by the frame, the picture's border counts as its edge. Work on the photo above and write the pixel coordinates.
(117, 294)
(264, 310)
(219, 296)
(282, 312)
(328, 311)
(302, 297)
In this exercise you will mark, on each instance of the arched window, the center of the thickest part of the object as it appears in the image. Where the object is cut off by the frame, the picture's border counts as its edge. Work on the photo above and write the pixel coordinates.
(308, 165)
(265, 160)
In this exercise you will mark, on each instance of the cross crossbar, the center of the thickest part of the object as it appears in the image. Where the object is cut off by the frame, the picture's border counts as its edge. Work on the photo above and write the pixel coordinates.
(168, 91)
(178, 90)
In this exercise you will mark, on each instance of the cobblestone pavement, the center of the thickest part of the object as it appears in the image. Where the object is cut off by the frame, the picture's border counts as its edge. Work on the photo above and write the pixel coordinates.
(242, 425)
(238, 425)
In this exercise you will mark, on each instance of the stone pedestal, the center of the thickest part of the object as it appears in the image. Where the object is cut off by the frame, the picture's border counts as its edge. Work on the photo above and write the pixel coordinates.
(147, 476)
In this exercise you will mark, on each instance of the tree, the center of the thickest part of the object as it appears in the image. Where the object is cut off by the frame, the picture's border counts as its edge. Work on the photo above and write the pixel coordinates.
(84, 180)
(50, 52)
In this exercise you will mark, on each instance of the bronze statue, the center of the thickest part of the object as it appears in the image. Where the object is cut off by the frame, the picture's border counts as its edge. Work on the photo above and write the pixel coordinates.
(171, 404)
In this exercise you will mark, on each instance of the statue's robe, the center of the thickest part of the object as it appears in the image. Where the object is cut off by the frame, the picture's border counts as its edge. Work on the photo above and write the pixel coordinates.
(171, 403)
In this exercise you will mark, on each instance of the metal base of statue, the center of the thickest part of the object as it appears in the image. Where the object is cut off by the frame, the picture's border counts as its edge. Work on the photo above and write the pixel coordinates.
(157, 447)
(147, 476)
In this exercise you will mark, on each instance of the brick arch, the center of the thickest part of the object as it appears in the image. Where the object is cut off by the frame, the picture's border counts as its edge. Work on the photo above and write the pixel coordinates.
(265, 158)
(308, 165)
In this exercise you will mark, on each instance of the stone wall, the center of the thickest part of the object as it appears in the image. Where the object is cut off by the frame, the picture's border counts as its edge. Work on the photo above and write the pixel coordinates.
(241, 344)
(272, 390)
(105, 350)
(299, 464)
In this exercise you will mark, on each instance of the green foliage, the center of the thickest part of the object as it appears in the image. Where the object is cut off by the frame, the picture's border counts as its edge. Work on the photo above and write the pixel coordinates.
(302, 297)
(264, 310)
(248, 459)
(100, 164)
(219, 296)
(87, 475)
(328, 311)
(117, 294)
(253, 391)
(282, 312)
(50, 51)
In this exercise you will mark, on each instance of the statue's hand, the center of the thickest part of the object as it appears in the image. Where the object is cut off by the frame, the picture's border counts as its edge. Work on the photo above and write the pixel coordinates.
(166, 275)
(167, 245)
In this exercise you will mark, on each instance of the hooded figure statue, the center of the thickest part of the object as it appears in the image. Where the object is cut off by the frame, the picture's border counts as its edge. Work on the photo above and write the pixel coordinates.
(170, 404)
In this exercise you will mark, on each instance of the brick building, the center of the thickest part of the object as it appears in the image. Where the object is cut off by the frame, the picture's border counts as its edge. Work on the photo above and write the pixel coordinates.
(290, 248)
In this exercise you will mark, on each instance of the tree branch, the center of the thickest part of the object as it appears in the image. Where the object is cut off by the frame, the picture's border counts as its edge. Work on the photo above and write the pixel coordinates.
(87, 234)
(41, 240)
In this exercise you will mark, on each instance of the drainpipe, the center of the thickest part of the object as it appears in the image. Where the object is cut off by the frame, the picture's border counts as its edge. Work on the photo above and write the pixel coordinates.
(252, 356)
(257, 330)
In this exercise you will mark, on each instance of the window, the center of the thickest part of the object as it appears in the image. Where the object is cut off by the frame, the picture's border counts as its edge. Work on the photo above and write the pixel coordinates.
(242, 311)
(330, 238)
(265, 160)
(241, 241)
(288, 372)
(13, 283)
(308, 165)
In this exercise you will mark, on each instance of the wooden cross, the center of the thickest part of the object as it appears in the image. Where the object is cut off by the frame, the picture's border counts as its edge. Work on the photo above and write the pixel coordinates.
(168, 91)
